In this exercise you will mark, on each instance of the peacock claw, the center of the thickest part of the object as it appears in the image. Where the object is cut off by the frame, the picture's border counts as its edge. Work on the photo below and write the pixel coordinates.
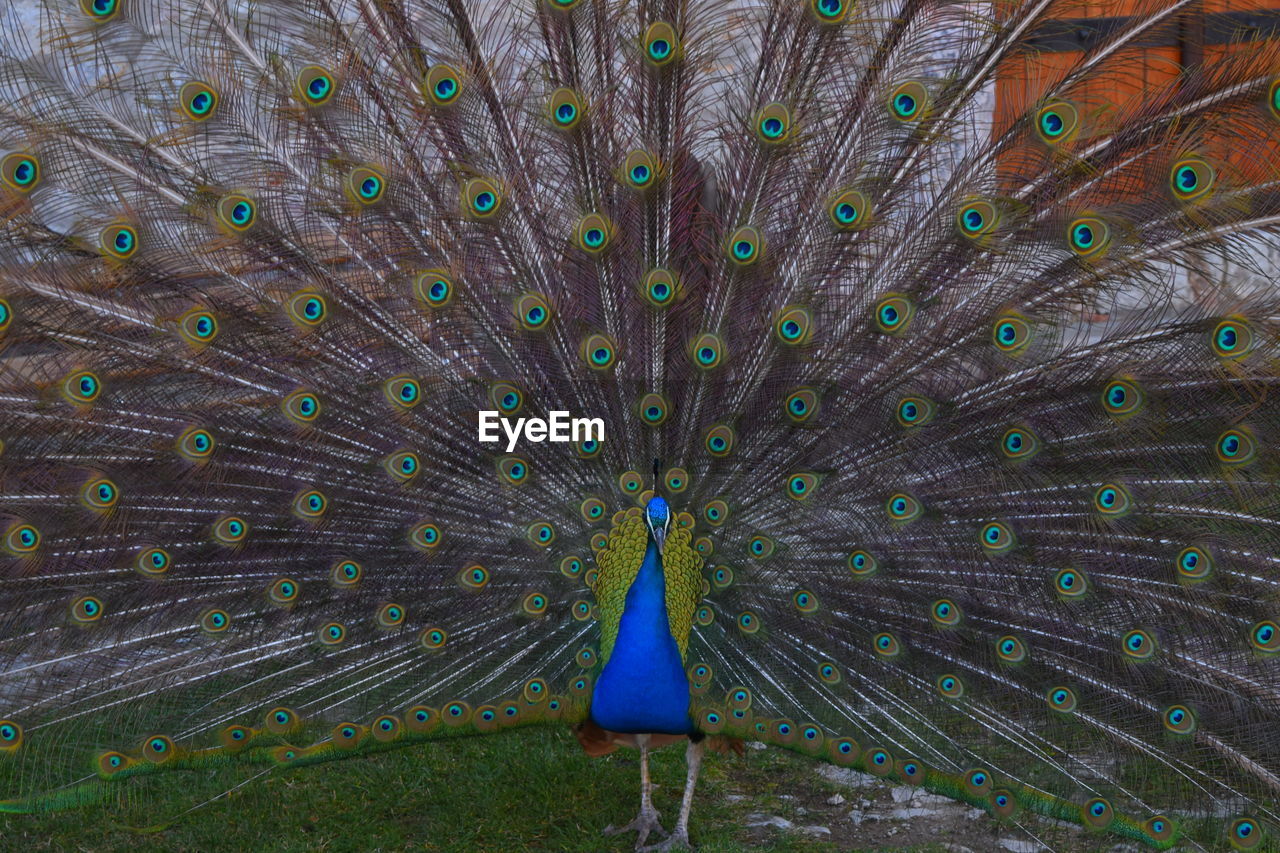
(644, 823)
(677, 841)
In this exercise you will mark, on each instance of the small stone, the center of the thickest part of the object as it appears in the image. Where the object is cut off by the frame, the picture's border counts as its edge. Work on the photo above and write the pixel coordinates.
(846, 776)
(755, 744)
(768, 820)
(956, 848)
(1019, 845)
(937, 801)
(835, 800)
(910, 814)
(856, 817)
(734, 798)
(813, 830)
(974, 814)
(801, 810)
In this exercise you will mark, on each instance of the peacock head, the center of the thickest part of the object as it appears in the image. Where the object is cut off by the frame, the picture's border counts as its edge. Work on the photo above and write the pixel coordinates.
(658, 516)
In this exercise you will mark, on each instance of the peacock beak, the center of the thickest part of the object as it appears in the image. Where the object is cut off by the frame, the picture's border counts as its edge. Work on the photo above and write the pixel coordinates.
(660, 537)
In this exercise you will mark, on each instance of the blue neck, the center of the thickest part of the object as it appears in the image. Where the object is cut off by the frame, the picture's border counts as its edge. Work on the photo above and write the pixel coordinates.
(643, 687)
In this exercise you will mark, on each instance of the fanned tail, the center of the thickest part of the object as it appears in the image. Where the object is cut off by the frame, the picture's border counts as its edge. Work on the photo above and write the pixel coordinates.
(985, 506)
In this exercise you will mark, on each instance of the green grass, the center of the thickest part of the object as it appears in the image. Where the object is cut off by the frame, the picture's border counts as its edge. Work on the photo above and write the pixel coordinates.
(532, 789)
(528, 789)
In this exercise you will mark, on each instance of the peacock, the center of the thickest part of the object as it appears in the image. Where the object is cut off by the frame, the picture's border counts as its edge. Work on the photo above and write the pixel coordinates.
(879, 380)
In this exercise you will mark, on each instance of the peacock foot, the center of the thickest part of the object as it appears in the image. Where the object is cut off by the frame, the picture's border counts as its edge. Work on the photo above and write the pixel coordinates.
(644, 823)
(678, 840)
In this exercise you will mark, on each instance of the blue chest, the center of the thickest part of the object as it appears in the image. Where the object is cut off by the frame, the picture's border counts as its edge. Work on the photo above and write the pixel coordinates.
(643, 687)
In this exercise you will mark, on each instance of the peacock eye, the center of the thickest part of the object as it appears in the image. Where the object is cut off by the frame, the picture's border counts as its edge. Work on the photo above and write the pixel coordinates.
(1056, 122)
(660, 43)
(745, 246)
(442, 85)
(314, 85)
(366, 185)
(119, 241)
(237, 212)
(893, 313)
(830, 11)
(564, 108)
(198, 100)
(599, 352)
(20, 171)
(100, 10)
(773, 123)
(909, 102)
(793, 325)
(849, 210)
(708, 351)
(593, 233)
(1089, 236)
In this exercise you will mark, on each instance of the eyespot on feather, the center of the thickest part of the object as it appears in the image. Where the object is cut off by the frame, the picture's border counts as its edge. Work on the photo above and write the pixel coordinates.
(195, 444)
(101, 11)
(564, 108)
(793, 325)
(481, 198)
(198, 100)
(153, 562)
(909, 102)
(119, 241)
(598, 351)
(237, 212)
(21, 539)
(366, 185)
(892, 313)
(532, 312)
(639, 170)
(659, 288)
(745, 246)
(849, 210)
(593, 233)
(1232, 338)
(442, 85)
(1057, 122)
(434, 288)
(653, 409)
(307, 308)
(314, 86)
(81, 387)
(1088, 236)
(772, 123)
(660, 44)
(830, 11)
(707, 351)
(301, 407)
(20, 171)
(1191, 179)
(230, 530)
(198, 327)
(404, 392)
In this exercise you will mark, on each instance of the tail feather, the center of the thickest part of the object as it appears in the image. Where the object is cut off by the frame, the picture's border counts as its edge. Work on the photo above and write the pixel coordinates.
(975, 489)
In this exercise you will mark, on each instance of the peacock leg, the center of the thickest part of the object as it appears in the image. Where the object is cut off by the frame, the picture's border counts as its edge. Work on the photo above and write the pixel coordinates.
(679, 839)
(647, 820)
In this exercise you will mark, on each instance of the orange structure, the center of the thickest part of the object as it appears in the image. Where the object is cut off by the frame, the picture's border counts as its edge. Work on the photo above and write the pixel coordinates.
(1173, 48)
